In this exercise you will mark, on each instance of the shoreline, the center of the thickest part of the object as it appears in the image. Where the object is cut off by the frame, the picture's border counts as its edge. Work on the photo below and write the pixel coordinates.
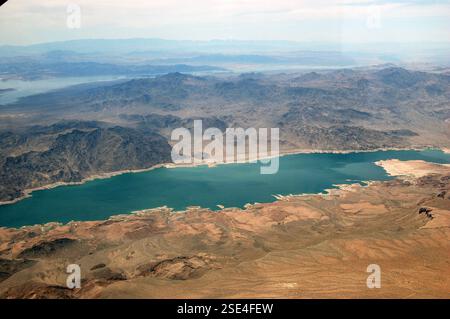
(28, 192)
(412, 169)
(278, 198)
(390, 166)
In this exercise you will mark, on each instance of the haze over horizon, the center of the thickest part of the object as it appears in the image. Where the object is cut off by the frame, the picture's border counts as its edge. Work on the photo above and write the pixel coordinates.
(338, 21)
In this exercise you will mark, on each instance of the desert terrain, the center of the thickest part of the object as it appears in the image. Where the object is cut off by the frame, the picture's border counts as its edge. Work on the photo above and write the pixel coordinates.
(114, 184)
(310, 246)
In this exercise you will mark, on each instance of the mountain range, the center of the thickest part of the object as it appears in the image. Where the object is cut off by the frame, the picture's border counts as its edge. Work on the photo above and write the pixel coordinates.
(96, 128)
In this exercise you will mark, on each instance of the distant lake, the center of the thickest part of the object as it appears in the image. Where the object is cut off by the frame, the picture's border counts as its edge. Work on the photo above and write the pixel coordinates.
(231, 185)
(21, 88)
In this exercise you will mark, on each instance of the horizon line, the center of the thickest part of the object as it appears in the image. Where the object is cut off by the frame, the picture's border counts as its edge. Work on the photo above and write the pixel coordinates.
(226, 40)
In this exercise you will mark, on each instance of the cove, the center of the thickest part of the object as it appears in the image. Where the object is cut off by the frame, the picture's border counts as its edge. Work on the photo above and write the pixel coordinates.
(231, 185)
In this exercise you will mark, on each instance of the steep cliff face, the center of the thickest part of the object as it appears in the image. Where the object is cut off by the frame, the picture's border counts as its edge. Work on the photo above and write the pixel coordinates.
(78, 154)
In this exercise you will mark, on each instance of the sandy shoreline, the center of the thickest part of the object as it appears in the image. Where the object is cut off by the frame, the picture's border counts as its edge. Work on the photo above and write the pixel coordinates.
(412, 169)
(28, 192)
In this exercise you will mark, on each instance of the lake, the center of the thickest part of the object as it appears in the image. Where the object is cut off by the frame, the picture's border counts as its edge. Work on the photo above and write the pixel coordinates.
(22, 88)
(231, 185)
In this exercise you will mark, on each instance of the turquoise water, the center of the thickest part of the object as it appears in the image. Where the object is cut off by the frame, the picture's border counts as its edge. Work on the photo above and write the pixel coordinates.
(231, 185)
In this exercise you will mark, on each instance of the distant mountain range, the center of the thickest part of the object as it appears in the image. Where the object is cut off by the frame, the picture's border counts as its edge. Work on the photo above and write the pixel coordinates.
(142, 44)
(33, 70)
(232, 51)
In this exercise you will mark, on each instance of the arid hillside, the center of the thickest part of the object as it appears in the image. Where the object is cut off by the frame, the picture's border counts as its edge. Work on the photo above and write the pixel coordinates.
(315, 246)
(347, 109)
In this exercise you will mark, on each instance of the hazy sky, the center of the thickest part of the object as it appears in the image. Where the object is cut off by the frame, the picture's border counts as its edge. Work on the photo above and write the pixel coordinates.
(34, 21)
